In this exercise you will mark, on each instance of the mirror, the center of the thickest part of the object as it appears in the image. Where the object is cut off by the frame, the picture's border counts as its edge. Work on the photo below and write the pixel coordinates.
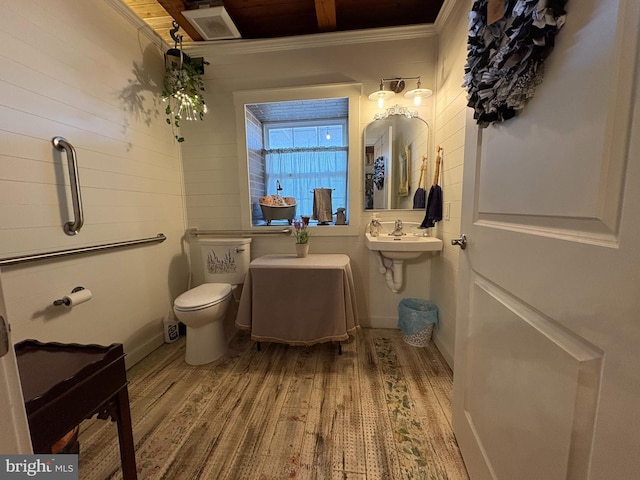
(395, 149)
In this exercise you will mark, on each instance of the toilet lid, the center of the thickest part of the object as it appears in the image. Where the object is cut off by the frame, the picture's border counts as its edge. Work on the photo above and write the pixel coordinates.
(205, 295)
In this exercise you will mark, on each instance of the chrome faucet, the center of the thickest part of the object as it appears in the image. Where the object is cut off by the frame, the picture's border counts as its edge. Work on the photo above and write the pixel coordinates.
(397, 229)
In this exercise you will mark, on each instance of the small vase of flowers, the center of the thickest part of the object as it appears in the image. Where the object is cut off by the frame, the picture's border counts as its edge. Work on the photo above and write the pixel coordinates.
(301, 233)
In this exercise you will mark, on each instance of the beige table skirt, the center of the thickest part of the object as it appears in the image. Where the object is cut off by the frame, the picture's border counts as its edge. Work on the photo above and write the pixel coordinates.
(299, 301)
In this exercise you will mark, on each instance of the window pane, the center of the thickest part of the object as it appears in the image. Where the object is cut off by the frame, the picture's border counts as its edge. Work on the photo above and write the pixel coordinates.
(281, 138)
(332, 136)
(305, 137)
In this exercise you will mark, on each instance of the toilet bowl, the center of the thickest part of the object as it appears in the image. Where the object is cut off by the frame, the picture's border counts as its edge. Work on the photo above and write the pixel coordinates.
(202, 309)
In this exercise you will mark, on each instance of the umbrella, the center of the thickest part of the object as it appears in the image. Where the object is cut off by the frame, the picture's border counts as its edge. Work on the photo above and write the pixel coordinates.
(420, 197)
(434, 201)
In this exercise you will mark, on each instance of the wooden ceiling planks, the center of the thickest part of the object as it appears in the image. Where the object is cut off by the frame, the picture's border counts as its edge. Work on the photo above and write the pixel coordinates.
(326, 14)
(175, 8)
(282, 18)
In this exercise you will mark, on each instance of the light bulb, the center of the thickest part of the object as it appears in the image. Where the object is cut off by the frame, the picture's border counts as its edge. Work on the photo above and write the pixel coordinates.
(417, 100)
(381, 95)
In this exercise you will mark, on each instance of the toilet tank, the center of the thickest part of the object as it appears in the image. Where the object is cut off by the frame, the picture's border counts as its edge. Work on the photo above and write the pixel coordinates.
(225, 260)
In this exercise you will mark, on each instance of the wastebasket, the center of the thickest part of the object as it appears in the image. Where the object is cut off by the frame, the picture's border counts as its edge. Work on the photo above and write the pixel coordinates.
(416, 318)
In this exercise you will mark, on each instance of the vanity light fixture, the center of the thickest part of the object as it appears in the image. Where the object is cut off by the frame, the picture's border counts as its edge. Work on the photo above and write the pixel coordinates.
(396, 85)
(381, 95)
(418, 94)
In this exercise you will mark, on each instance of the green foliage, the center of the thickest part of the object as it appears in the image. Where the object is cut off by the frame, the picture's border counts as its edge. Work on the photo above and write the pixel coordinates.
(301, 232)
(183, 91)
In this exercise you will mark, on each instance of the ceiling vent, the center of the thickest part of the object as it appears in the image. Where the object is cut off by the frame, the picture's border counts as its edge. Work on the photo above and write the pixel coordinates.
(212, 23)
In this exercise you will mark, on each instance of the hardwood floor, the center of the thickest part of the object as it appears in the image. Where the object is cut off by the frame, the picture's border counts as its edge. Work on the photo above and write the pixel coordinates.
(381, 410)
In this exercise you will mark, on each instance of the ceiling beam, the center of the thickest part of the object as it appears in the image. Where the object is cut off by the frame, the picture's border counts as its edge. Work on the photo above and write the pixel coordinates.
(326, 15)
(175, 9)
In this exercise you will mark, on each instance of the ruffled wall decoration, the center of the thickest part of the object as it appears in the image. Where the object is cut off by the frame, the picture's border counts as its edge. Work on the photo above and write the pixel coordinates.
(505, 59)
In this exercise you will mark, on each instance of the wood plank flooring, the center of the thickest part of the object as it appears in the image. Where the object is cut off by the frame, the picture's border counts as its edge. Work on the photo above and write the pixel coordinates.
(381, 410)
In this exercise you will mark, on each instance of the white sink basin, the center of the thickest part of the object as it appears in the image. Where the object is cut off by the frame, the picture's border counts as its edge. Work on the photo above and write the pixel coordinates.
(393, 250)
(403, 247)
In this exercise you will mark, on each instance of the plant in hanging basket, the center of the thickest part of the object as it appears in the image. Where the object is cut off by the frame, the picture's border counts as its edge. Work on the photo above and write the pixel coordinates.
(183, 89)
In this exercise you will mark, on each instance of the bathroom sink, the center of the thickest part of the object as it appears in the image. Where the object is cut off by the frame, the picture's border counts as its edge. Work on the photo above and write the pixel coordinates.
(403, 247)
(391, 251)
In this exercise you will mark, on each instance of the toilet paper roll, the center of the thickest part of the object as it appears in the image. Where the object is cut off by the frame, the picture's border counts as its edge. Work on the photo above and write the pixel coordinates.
(76, 298)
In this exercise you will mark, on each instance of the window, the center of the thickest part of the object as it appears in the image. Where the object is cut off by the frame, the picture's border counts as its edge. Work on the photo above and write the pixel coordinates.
(293, 149)
(335, 106)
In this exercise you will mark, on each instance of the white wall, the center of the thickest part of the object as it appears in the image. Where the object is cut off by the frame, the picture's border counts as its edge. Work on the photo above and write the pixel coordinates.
(210, 150)
(450, 130)
(84, 71)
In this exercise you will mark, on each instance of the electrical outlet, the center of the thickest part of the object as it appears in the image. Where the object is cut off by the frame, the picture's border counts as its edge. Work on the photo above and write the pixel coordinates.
(447, 211)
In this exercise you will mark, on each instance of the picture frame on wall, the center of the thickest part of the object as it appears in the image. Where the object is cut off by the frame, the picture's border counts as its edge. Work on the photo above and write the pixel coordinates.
(368, 155)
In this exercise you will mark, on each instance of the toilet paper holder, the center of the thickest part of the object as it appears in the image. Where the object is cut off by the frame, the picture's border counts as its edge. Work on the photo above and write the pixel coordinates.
(65, 300)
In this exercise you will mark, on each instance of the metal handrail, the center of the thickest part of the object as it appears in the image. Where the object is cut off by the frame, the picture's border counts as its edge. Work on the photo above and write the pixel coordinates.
(72, 228)
(74, 251)
(196, 233)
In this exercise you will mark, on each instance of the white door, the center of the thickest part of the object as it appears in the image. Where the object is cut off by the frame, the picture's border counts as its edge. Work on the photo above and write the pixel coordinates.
(383, 148)
(13, 418)
(547, 364)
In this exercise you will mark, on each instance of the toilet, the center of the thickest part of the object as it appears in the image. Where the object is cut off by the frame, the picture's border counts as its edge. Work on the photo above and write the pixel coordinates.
(225, 262)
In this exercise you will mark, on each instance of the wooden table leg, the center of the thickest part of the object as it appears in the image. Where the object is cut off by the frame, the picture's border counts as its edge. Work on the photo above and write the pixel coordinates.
(125, 436)
(258, 344)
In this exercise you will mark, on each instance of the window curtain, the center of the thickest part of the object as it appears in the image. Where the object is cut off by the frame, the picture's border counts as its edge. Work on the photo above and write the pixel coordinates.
(300, 170)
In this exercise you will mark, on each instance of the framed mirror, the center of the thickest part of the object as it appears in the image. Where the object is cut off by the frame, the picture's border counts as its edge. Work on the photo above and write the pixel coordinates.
(396, 144)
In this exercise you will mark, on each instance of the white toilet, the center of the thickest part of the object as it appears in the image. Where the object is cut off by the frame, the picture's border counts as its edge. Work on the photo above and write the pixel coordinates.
(202, 309)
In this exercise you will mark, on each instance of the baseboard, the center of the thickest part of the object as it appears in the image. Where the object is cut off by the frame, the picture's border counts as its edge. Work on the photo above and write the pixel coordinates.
(141, 351)
(448, 355)
(379, 322)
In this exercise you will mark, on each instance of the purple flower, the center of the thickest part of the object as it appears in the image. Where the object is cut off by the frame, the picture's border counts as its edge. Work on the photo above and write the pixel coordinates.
(300, 232)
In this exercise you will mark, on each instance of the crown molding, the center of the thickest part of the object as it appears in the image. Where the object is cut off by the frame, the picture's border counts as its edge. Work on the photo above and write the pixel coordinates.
(139, 24)
(446, 11)
(328, 39)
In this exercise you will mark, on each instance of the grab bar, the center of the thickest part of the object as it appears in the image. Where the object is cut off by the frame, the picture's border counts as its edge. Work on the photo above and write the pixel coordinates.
(74, 251)
(196, 233)
(72, 228)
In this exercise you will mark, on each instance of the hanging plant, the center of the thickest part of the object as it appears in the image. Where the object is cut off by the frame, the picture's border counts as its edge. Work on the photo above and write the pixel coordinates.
(183, 89)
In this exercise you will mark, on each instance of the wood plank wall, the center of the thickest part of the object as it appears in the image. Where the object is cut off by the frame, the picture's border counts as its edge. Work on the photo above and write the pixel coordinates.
(84, 71)
(451, 111)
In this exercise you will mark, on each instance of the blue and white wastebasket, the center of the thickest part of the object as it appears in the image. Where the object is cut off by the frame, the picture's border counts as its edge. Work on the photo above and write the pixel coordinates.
(416, 318)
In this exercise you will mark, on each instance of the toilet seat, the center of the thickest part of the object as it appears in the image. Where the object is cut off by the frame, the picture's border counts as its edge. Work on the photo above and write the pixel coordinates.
(202, 296)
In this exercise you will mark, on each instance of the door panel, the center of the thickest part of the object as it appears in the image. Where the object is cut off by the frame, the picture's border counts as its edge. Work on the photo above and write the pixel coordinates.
(531, 390)
(576, 131)
(546, 378)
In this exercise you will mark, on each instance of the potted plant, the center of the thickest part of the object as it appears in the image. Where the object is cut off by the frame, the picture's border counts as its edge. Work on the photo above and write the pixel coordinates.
(301, 233)
(183, 89)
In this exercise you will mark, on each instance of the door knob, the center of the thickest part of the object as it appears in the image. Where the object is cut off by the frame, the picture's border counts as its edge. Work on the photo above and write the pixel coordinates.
(461, 242)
